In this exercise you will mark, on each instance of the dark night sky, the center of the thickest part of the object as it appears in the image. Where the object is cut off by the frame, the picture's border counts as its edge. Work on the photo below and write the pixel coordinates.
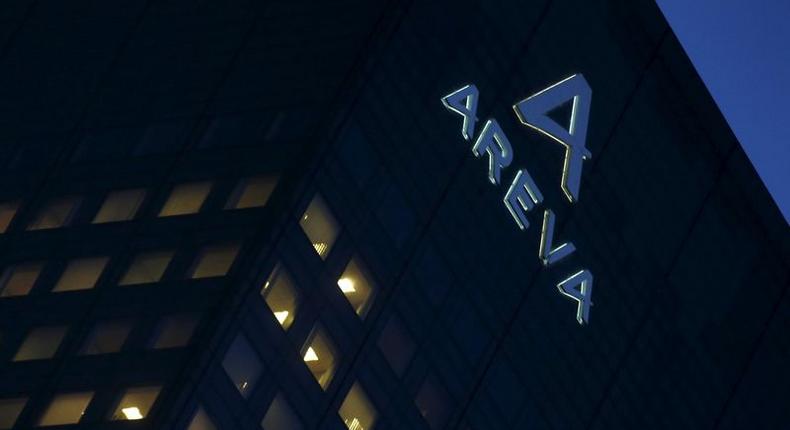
(741, 48)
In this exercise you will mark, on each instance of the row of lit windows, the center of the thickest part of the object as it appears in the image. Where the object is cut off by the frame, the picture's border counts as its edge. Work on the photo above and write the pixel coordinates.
(244, 367)
(146, 267)
(318, 352)
(123, 205)
(356, 411)
(107, 337)
(69, 408)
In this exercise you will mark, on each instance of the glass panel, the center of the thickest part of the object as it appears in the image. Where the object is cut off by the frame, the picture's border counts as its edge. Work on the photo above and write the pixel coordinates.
(433, 403)
(186, 199)
(56, 214)
(175, 331)
(357, 411)
(318, 354)
(19, 280)
(9, 411)
(106, 338)
(242, 365)
(120, 206)
(66, 409)
(147, 268)
(7, 212)
(136, 403)
(41, 343)
(81, 274)
(281, 296)
(201, 421)
(281, 416)
(214, 261)
(320, 226)
(251, 193)
(356, 287)
(396, 345)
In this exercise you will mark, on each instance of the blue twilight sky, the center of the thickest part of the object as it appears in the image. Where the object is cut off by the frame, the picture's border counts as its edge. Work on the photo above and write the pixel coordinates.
(741, 48)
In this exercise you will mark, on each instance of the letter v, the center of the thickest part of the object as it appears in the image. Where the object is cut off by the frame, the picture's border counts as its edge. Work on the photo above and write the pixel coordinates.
(548, 255)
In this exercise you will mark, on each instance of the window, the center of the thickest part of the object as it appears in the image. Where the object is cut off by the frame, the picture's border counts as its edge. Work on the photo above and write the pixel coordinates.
(106, 338)
(81, 274)
(320, 226)
(357, 411)
(7, 212)
(41, 343)
(242, 365)
(201, 421)
(356, 287)
(252, 193)
(19, 280)
(175, 331)
(66, 409)
(120, 206)
(214, 261)
(396, 345)
(281, 296)
(281, 416)
(433, 403)
(147, 268)
(136, 403)
(9, 411)
(318, 354)
(56, 213)
(186, 199)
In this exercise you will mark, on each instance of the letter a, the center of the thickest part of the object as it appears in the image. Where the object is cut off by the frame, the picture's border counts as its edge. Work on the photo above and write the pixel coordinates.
(533, 111)
(464, 102)
(579, 288)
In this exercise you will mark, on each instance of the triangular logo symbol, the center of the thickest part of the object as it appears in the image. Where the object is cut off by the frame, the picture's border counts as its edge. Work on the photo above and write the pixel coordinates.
(540, 112)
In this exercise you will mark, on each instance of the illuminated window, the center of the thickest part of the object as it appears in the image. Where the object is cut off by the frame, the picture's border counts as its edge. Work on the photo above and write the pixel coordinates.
(120, 206)
(252, 193)
(396, 345)
(147, 268)
(175, 331)
(201, 421)
(281, 296)
(356, 287)
(9, 411)
(214, 261)
(357, 411)
(41, 343)
(281, 416)
(320, 226)
(136, 403)
(66, 409)
(186, 199)
(56, 214)
(433, 403)
(106, 338)
(318, 354)
(7, 212)
(242, 365)
(81, 274)
(18, 280)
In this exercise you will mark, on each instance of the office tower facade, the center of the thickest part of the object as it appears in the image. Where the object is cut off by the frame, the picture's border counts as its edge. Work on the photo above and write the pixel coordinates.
(377, 215)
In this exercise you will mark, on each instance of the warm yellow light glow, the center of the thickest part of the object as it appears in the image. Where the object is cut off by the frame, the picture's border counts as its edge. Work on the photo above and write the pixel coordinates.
(346, 285)
(281, 316)
(132, 413)
(310, 355)
(354, 424)
(320, 248)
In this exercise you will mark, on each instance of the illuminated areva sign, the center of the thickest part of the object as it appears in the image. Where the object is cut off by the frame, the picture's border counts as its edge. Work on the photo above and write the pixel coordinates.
(523, 194)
